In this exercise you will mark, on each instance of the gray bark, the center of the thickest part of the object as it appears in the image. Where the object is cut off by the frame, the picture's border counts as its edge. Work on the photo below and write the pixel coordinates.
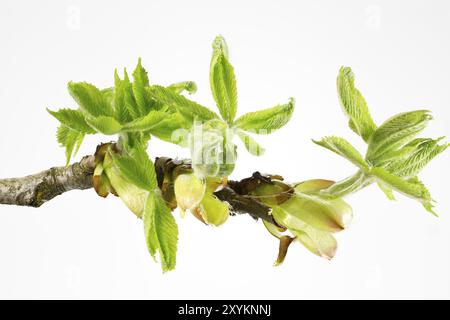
(36, 189)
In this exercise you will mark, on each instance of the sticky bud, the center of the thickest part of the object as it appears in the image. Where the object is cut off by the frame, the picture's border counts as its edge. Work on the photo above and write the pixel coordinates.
(326, 215)
(101, 182)
(274, 193)
(212, 210)
(189, 191)
(337, 210)
(213, 152)
(319, 242)
(285, 241)
(312, 186)
(133, 196)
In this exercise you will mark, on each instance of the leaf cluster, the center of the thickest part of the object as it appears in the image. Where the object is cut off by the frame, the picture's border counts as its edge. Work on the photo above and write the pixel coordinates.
(135, 110)
(394, 157)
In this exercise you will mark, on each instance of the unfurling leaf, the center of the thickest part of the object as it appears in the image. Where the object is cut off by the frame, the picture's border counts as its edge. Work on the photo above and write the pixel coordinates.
(190, 110)
(128, 96)
(222, 81)
(267, 120)
(188, 86)
(104, 124)
(212, 151)
(343, 148)
(393, 156)
(173, 129)
(250, 144)
(423, 151)
(121, 110)
(69, 139)
(133, 196)
(137, 168)
(73, 119)
(412, 188)
(347, 186)
(108, 94)
(146, 122)
(396, 132)
(90, 99)
(151, 237)
(354, 105)
(140, 85)
(161, 230)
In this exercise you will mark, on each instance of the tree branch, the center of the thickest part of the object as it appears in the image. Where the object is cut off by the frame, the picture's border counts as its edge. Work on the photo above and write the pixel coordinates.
(35, 190)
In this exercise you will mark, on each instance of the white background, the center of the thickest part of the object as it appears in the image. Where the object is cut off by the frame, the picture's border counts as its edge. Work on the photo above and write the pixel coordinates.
(81, 246)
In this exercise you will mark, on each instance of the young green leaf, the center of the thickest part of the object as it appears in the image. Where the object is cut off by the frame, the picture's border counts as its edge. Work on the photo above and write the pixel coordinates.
(222, 80)
(267, 120)
(151, 237)
(133, 139)
(393, 156)
(69, 139)
(179, 87)
(137, 168)
(354, 105)
(146, 122)
(104, 124)
(161, 230)
(73, 119)
(129, 99)
(343, 148)
(250, 144)
(121, 112)
(396, 132)
(213, 152)
(347, 186)
(173, 129)
(90, 99)
(140, 84)
(190, 110)
(423, 153)
(412, 188)
(130, 194)
(108, 94)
